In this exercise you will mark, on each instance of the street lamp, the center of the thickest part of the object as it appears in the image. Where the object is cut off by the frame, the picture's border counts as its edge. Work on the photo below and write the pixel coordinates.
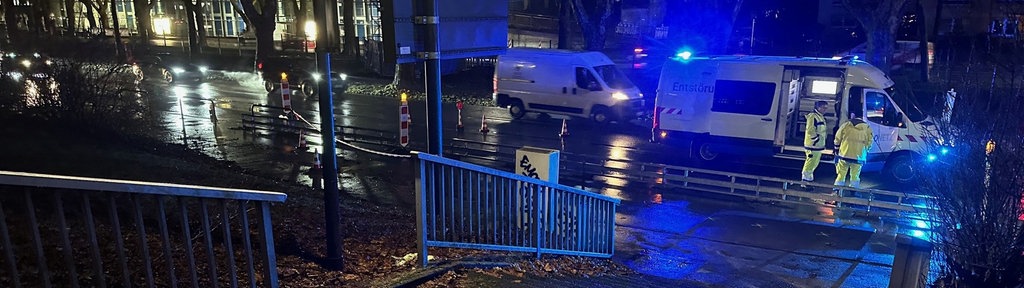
(162, 26)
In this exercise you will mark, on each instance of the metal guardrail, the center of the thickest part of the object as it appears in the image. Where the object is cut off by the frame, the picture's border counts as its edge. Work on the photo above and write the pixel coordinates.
(461, 205)
(53, 219)
(274, 118)
(752, 187)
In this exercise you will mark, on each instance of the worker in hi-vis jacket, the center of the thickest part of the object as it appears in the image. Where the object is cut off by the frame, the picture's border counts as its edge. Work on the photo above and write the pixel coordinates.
(814, 140)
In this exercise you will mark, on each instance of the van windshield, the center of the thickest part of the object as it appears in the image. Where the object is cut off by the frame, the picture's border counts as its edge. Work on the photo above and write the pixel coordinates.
(613, 77)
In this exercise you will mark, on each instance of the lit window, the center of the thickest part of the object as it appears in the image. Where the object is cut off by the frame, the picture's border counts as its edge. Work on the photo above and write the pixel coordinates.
(824, 87)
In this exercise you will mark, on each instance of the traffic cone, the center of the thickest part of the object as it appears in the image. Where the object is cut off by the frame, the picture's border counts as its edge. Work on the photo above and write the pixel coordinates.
(458, 106)
(483, 124)
(565, 129)
(316, 159)
(302, 140)
(460, 127)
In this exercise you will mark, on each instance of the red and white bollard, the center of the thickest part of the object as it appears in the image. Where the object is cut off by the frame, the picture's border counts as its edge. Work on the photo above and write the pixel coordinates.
(403, 119)
(302, 140)
(483, 124)
(286, 93)
(458, 105)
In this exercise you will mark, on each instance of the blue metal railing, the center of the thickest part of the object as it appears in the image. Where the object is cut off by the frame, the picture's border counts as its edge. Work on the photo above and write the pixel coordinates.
(460, 205)
(151, 227)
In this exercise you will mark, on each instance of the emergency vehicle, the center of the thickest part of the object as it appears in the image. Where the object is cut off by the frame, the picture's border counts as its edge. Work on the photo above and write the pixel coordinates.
(754, 105)
(574, 83)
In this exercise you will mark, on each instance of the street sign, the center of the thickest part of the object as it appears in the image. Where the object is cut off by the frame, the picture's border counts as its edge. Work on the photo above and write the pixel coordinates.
(537, 163)
(286, 93)
(466, 28)
(403, 118)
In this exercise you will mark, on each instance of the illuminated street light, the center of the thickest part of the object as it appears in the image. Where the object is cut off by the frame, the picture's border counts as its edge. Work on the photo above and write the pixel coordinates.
(310, 30)
(162, 26)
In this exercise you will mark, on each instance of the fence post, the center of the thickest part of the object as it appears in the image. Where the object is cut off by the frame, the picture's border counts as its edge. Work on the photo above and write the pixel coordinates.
(421, 210)
(911, 262)
(536, 217)
(267, 237)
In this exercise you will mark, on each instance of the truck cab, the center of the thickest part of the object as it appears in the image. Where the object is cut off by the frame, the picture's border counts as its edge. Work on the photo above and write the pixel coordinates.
(573, 83)
(754, 105)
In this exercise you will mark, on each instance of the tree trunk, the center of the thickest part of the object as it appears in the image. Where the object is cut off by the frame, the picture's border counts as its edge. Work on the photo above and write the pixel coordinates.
(923, 41)
(563, 24)
(192, 36)
(69, 17)
(118, 46)
(91, 15)
(104, 17)
(408, 76)
(200, 26)
(264, 41)
(348, 22)
(880, 48)
(11, 18)
(144, 19)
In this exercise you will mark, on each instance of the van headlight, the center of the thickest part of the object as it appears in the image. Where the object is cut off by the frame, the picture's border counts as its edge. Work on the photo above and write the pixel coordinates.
(343, 76)
(316, 76)
(178, 70)
(203, 69)
(620, 96)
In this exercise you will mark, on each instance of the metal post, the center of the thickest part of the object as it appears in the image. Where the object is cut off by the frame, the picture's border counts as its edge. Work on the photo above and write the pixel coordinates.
(432, 61)
(421, 211)
(332, 201)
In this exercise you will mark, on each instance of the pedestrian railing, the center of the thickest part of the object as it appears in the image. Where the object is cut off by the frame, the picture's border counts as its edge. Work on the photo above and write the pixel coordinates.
(62, 231)
(460, 205)
(584, 170)
(277, 119)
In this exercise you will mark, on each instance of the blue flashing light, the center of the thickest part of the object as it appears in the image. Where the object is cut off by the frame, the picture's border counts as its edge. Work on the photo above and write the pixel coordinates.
(944, 151)
(685, 55)
(932, 157)
(920, 224)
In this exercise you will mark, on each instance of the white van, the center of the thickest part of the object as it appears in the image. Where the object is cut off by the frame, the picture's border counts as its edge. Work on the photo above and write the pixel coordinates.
(579, 84)
(754, 105)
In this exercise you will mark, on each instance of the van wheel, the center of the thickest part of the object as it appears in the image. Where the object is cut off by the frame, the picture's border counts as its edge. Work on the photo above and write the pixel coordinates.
(704, 151)
(902, 169)
(268, 85)
(309, 88)
(600, 114)
(516, 109)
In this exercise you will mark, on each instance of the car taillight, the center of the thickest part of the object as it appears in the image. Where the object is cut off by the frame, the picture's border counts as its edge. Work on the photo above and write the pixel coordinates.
(259, 66)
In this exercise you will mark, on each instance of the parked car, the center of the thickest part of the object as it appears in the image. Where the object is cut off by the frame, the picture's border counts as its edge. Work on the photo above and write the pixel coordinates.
(155, 68)
(301, 72)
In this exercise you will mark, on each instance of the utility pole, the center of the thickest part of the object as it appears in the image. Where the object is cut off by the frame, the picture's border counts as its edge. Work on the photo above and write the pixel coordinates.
(325, 13)
(432, 60)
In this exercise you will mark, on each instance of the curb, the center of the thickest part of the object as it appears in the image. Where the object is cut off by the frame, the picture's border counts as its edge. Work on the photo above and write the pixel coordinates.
(432, 272)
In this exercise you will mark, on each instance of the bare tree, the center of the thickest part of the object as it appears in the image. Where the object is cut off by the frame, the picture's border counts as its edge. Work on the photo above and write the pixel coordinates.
(705, 26)
(596, 17)
(880, 19)
(300, 8)
(196, 29)
(261, 14)
(69, 17)
(237, 7)
(349, 24)
(11, 18)
(144, 18)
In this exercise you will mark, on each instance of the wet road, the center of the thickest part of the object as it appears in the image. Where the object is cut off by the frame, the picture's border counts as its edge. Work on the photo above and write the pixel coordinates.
(646, 219)
(233, 94)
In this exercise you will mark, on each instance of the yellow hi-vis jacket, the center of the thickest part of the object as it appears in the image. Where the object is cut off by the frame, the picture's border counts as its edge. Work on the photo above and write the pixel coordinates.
(815, 133)
(853, 140)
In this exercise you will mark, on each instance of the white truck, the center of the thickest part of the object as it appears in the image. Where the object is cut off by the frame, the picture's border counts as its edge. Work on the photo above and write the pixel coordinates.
(754, 105)
(574, 83)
